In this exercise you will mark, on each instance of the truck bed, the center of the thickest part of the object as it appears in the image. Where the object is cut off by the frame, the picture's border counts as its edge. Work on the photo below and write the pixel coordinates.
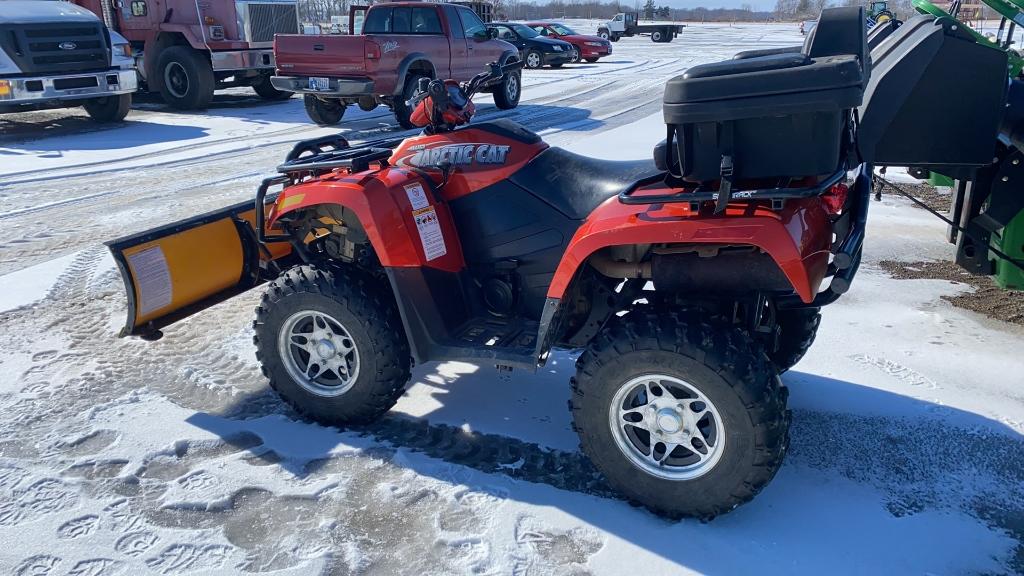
(377, 57)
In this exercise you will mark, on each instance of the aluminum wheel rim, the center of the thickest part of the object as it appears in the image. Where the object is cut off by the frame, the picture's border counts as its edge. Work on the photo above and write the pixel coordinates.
(533, 60)
(512, 87)
(318, 353)
(176, 79)
(666, 427)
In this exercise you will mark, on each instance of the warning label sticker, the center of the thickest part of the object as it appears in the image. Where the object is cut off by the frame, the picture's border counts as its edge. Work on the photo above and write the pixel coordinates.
(153, 279)
(417, 196)
(430, 233)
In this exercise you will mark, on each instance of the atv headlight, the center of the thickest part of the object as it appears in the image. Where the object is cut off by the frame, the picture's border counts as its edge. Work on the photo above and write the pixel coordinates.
(598, 44)
(557, 48)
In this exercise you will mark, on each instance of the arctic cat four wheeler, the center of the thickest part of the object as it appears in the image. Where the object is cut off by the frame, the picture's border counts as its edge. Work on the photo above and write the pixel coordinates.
(689, 283)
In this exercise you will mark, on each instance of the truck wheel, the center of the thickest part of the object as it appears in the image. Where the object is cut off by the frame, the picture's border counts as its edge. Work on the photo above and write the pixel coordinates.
(508, 91)
(682, 414)
(797, 329)
(323, 112)
(402, 110)
(534, 59)
(108, 108)
(615, 37)
(186, 78)
(603, 34)
(264, 89)
(331, 345)
(657, 36)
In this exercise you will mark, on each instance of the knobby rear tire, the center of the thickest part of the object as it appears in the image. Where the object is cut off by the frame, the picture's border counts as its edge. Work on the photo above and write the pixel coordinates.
(797, 330)
(720, 360)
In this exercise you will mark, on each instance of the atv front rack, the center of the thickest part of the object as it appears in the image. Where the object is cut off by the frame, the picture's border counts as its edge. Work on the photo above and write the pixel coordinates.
(699, 195)
(315, 157)
(321, 155)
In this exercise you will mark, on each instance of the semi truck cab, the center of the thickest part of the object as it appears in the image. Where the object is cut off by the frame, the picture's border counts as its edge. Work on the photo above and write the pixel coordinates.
(186, 49)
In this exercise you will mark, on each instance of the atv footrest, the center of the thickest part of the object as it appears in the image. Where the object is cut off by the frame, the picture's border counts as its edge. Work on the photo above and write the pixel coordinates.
(487, 333)
(505, 343)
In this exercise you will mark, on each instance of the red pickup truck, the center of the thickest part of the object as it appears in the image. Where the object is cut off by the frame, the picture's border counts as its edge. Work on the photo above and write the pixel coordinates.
(400, 43)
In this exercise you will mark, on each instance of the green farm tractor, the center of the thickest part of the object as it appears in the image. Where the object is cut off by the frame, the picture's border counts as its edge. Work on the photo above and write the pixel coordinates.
(878, 13)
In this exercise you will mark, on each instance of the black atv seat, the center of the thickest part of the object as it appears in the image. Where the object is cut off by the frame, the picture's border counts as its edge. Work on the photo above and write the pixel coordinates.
(575, 185)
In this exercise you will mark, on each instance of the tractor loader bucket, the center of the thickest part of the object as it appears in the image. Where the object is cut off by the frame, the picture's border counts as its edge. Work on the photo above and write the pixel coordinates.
(179, 269)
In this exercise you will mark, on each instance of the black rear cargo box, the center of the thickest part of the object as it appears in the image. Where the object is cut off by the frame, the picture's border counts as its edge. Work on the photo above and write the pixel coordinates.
(775, 115)
(934, 100)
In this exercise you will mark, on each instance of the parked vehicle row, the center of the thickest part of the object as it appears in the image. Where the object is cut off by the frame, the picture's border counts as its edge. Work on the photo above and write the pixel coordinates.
(186, 50)
(551, 44)
(589, 48)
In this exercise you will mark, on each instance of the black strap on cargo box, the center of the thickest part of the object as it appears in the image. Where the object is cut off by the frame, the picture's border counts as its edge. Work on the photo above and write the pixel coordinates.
(727, 168)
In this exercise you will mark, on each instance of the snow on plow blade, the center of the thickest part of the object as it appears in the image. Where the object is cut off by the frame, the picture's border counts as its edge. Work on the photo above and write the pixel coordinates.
(179, 269)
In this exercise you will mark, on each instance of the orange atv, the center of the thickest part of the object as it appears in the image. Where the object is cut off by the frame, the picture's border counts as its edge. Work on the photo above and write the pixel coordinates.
(689, 283)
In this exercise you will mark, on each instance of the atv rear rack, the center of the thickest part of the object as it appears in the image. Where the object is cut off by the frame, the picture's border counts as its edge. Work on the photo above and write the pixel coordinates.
(699, 195)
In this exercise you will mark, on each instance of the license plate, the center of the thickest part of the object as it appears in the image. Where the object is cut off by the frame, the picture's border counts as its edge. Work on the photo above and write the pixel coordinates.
(319, 84)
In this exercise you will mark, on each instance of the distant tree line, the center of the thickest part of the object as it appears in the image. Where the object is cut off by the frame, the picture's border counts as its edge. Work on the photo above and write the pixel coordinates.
(649, 10)
(809, 9)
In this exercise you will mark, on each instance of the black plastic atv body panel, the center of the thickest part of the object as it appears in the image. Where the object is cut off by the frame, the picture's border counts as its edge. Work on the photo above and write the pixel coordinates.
(775, 114)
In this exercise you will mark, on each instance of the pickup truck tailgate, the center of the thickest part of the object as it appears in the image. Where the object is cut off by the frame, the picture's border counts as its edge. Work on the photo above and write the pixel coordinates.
(326, 55)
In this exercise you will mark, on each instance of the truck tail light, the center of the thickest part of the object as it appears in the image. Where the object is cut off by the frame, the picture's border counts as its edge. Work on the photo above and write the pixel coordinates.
(372, 50)
(835, 198)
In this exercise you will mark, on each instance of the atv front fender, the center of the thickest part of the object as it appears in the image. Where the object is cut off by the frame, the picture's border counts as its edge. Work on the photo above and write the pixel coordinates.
(382, 203)
(797, 238)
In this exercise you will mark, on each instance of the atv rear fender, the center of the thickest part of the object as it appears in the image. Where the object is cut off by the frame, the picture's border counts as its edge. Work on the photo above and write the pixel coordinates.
(797, 238)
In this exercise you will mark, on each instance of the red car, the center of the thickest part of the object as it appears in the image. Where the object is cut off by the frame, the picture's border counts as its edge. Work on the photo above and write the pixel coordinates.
(589, 48)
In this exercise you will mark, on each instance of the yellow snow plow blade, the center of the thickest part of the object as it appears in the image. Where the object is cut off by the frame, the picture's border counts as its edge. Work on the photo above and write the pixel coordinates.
(177, 270)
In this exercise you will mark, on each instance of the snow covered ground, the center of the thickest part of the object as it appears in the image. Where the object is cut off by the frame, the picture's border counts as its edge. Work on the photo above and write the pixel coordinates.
(122, 456)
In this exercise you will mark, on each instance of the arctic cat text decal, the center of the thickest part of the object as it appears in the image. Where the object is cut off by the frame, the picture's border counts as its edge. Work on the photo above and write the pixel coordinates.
(458, 155)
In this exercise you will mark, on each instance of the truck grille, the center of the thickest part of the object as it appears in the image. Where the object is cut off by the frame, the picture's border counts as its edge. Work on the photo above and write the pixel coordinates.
(265, 20)
(56, 48)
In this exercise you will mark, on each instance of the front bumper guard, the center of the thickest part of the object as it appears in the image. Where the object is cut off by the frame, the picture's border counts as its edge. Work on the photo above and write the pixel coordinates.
(37, 89)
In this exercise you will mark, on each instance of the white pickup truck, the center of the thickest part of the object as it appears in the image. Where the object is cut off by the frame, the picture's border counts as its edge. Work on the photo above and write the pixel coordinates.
(57, 55)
